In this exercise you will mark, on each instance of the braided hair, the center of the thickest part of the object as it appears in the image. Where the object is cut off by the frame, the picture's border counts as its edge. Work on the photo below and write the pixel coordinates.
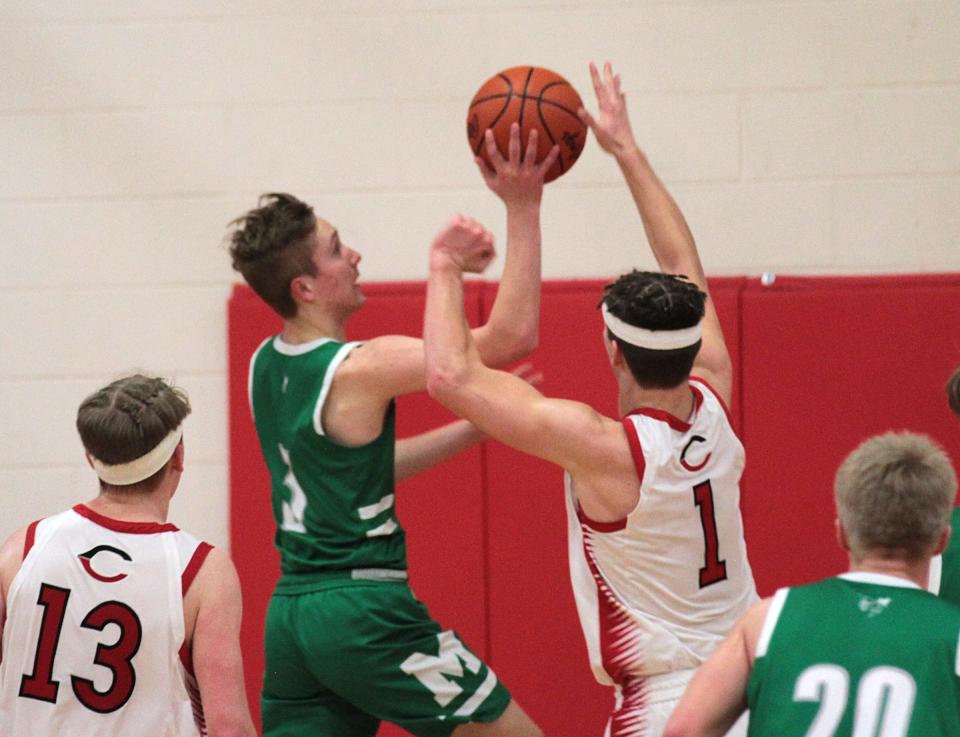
(271, 245)
(656, 301)
(129, 417)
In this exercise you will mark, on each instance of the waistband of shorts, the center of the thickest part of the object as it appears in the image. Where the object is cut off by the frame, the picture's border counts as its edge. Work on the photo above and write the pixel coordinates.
(667, 686)
(305, 581)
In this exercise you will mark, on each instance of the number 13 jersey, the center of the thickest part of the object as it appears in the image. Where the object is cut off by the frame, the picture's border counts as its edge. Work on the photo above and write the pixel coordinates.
(657, 591)
(93, 643)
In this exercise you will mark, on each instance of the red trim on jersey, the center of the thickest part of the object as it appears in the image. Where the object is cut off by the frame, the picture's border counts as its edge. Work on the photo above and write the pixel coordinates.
(620, 653)
(133, 528)
(190, 572)
(186, 657)
(636, 449)
(675, 422)
(600, 526)
(31, 536)
(726, 409)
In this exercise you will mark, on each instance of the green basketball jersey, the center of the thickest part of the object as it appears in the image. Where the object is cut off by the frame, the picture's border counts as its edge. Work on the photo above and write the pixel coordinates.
(333, 504)
(861, 655)
(950, 565)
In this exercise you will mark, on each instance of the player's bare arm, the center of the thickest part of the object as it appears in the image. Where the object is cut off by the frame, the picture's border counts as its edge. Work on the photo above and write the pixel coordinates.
(389, 366)
(212, 613)
(593, 448)
(717, 695)
(11, 556)
(667, 231)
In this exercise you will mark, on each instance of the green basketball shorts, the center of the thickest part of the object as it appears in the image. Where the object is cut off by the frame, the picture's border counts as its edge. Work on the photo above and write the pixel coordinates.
(342, 658)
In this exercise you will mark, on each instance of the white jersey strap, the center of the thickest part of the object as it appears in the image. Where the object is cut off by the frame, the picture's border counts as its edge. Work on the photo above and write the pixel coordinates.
(770, 623)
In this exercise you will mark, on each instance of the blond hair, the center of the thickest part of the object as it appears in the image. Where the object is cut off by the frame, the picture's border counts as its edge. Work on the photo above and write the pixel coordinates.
(895, 493)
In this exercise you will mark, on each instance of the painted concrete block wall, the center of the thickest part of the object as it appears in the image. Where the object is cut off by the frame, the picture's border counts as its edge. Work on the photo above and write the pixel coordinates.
(799, 136)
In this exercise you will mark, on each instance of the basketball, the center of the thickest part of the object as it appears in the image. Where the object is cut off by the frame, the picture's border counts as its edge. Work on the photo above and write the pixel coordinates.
(534, 97)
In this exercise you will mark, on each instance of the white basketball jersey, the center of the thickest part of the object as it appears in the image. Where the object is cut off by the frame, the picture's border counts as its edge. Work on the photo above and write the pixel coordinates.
(658, 591)
(93, 641)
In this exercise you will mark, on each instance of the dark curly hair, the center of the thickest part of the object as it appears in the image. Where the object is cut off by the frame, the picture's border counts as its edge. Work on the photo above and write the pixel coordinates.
(656, 301)
(128, 418)
(953, 392)
(271, 245)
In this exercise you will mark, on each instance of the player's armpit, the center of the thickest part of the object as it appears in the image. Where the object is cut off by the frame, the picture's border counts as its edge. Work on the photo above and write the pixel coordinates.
(215, 646)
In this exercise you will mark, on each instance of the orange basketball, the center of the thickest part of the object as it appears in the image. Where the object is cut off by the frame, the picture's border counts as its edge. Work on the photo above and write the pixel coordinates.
(534, 97)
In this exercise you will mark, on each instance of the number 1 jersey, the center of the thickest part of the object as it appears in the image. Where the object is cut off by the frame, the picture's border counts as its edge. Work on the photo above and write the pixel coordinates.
(93, 643)
(657, 591)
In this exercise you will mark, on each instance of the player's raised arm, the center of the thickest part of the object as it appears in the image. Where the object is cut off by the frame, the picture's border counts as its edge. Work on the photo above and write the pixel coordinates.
(667, 231)
(512, 330)
(392, 365)
(591, 447)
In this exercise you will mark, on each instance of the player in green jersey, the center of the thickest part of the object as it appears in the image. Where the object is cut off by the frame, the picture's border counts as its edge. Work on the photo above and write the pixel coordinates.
(945, 571)
(347, 644)
(866, 653)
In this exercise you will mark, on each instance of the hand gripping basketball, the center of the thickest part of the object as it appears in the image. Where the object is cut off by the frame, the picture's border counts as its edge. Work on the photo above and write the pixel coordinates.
(535, 99)
(464, 243)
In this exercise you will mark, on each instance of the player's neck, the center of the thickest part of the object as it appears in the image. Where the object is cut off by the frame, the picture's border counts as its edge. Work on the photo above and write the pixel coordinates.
(917, 571)
(133, 506)
(677, 401)
(310, 325)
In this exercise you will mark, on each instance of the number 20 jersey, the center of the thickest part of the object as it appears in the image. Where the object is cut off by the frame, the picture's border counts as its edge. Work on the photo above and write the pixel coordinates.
(93, 641)
(860, 654)
(657, 591)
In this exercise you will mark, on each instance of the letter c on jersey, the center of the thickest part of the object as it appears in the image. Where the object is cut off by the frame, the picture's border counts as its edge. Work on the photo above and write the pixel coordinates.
(683, 455)
(86, 560)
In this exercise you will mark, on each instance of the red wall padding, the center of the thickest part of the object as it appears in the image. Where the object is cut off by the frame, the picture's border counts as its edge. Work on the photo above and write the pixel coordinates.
(827, 363)
(819, 364)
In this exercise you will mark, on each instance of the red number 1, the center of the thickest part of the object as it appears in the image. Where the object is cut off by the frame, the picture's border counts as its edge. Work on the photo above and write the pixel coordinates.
(714, 569)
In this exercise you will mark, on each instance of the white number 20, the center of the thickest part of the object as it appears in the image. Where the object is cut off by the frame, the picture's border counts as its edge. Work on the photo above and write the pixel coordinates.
(884, 701)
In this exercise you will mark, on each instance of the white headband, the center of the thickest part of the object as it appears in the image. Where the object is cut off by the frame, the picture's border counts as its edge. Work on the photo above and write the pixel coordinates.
(656, 340)
(124, 474)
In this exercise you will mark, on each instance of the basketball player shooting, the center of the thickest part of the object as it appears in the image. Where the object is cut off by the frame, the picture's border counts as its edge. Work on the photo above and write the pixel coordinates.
(658, 561)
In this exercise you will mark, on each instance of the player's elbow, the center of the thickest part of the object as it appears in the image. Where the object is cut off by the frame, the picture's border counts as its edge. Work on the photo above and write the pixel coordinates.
(445, 381)
(516, 342)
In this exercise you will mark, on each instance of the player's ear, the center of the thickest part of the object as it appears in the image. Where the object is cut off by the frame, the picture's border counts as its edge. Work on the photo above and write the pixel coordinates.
(176, 460)
(89, 459)
(301, 289)
(944, 539)
(841, 535)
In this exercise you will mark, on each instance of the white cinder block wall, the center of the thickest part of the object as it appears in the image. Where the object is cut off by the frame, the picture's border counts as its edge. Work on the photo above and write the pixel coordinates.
(800, 136)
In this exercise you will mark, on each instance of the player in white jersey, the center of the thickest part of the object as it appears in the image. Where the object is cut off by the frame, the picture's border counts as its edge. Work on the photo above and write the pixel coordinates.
(657, 556)
(115, 622)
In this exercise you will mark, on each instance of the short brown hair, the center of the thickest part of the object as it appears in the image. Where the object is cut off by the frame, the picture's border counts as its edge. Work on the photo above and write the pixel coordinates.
(953, 392)
(128, 418)
(895, 493)
(271, 245)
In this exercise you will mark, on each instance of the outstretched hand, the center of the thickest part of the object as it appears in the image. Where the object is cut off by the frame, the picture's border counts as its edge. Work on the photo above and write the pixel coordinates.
(463, 243)
(611, 126)
(515, 179)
